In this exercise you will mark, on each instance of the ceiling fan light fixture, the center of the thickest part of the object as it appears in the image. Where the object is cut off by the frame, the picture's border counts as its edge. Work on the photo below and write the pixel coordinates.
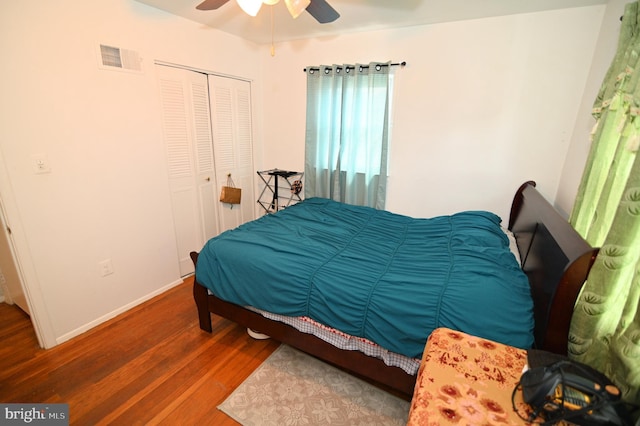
(250, 7)
(270, 2)
(296, 7)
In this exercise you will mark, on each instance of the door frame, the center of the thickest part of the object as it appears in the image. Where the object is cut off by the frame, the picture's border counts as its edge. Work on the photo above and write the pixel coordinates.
(23, 262)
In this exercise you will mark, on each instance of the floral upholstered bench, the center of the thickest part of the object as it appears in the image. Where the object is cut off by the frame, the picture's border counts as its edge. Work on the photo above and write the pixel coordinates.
(466, 380)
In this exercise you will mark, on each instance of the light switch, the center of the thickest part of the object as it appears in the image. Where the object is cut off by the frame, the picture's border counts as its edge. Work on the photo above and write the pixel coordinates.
(41, 164)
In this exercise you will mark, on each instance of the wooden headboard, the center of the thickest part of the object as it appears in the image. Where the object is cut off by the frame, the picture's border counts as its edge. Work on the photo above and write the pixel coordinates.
(544, 237)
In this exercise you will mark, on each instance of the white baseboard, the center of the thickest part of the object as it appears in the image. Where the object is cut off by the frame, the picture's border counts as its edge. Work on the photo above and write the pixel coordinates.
(78, 331)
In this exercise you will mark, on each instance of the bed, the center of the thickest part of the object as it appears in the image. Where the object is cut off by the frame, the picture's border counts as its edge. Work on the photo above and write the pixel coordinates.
(549, 257)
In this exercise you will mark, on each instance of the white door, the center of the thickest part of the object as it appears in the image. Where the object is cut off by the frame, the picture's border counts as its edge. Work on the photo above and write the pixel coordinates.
(187, 133)
(230, 101)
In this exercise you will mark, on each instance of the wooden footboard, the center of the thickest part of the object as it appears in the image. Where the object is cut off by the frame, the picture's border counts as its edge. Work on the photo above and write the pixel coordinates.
(393, 379)
(202, 301)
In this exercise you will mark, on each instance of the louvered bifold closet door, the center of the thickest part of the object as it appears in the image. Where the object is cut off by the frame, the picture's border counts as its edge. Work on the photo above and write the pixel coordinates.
(186, 123)
(230, 101)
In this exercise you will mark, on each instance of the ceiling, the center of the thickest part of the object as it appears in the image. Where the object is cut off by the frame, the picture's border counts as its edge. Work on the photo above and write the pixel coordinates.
(355, 15)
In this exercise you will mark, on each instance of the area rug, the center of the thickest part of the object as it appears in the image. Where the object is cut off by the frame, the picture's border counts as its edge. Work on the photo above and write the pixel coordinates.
(292, 388)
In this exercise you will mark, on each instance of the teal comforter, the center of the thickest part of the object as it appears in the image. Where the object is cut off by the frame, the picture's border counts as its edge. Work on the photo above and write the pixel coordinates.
(374, 274)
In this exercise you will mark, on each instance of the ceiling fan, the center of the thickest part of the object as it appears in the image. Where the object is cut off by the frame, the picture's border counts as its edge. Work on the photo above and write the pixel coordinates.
(319, 9)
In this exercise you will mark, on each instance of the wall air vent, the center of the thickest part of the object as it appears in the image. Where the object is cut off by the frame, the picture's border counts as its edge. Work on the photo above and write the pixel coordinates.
(114, 58)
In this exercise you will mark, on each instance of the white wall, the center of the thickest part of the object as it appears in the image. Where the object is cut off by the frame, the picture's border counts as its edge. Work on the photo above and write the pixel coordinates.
(107, 195)
(482, 106)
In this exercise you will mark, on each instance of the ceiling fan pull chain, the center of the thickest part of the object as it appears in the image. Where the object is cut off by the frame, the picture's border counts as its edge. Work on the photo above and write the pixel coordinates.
(273, 49)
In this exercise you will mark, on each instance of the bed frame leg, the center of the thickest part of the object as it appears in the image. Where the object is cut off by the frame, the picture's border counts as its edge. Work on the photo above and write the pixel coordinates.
(201, 297)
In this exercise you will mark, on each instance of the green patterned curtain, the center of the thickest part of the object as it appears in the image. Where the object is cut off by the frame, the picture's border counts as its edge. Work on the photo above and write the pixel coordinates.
(605, 329)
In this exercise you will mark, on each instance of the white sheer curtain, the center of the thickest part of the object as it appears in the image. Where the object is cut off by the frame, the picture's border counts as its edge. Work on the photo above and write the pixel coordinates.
(347, 133)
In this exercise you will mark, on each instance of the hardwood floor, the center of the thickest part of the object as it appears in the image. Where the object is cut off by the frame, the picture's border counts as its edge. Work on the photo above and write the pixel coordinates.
(150, 365)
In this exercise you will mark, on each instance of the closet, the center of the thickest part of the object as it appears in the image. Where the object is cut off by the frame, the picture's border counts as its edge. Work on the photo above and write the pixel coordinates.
(208, 135)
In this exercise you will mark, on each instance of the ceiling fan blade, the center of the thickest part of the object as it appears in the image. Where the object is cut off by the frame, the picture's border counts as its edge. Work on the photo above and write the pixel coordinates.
(322, 11)
(211, 4)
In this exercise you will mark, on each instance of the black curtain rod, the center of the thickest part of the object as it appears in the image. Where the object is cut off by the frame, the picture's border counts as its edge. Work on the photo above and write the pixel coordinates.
(402, 64)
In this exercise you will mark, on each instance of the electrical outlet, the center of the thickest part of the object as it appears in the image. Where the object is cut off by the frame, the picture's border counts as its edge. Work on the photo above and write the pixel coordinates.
(105, 267)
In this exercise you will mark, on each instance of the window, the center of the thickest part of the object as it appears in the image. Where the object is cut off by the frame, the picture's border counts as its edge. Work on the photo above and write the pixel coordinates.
(347, 136)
